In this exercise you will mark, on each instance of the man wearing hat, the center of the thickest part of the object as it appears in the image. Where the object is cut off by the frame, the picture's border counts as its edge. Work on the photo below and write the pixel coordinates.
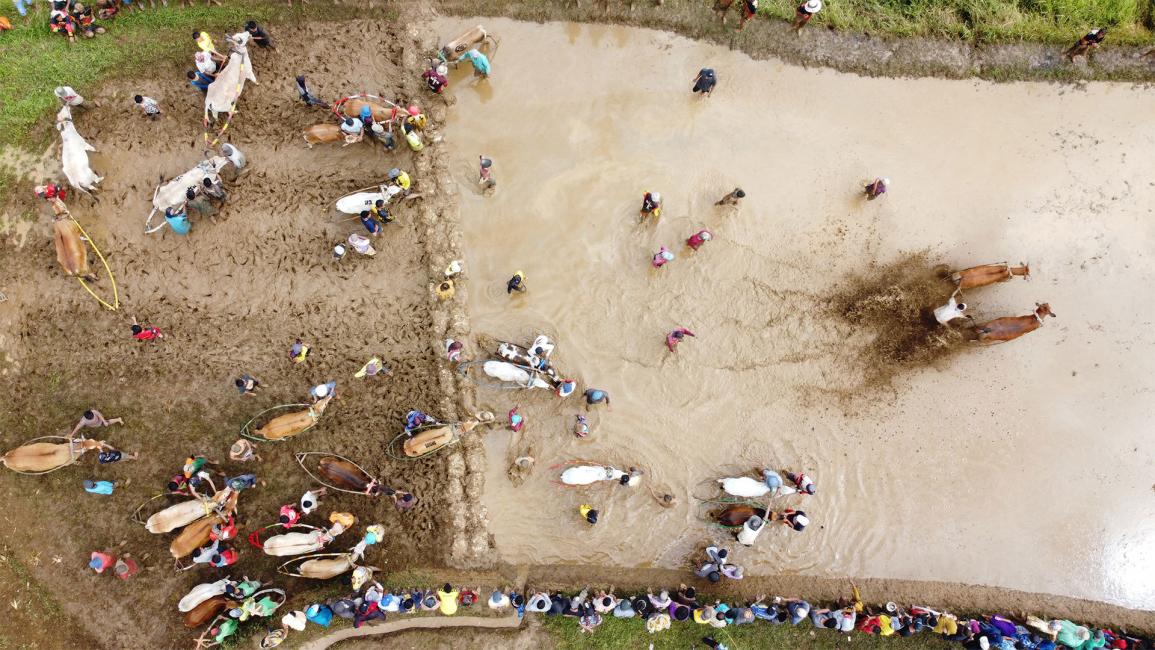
(804, 13)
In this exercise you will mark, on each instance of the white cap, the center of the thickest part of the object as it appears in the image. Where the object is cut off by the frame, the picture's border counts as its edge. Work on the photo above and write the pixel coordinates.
(321, 390)
(886, 181)
(984, 643)
(802, 520)
(339, 250)
(656, 196)
(813, 6)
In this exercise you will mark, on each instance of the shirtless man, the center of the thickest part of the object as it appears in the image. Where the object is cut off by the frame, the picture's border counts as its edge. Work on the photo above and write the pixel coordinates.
(92, 419)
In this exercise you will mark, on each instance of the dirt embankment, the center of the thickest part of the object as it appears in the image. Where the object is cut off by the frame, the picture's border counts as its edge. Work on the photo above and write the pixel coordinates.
(855, 52)
(231, 297)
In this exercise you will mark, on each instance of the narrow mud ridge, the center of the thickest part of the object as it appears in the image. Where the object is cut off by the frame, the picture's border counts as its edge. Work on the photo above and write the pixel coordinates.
(855, 52)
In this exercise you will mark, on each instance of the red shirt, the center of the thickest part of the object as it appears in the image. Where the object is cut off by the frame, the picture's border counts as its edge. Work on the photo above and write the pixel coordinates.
(147, 334)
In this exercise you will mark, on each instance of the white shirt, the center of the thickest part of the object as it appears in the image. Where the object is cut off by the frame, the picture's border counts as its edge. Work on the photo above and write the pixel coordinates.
(205, 63)
(308, 502)
(353, 129)
(949, 312)
(149, 105)
(361, 244)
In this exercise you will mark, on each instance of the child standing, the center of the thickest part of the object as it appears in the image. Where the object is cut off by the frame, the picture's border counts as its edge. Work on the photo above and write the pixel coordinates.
(149, 105)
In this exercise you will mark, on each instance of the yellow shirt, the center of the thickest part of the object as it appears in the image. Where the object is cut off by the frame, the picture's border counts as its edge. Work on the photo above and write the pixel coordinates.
(448, 602)
(205, 42)
(884, 623)
(403, 181)
(698, 617)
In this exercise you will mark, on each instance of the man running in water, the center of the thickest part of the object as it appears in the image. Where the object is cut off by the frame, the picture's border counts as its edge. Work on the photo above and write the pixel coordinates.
(675, 337)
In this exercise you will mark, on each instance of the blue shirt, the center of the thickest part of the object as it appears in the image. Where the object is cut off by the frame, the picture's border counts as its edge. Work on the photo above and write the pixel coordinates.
(371, 224)
(100, 487)
(178, 222)
(201, 81)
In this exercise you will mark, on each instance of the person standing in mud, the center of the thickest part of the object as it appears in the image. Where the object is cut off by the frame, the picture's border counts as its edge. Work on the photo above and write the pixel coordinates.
(651, 205)
(485, 176)
(371, 224)
(309, 98)
(675, 337)
(596, 396)
(298, 352)
(1084, 45)
(516, 283)
(259, 35)
(435, 78)
(877, 188)
(732, 198)
(705, 81)
(696, 240)
(804, 12)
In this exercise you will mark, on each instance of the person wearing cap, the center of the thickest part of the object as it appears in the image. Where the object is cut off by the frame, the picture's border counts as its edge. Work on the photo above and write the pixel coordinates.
(353, 128)
(298, 352)
(485, 175)
(675, 337)
(400, 179)
(732, 198)
(696, 240)
(416, 119)
(662, 258)
(804, 12)
(447, 599)
(588, 513)
(952, 310)
(795, 519)
(319, 613)
(247, 385)
(703, 615)
(651, 204)
(705, 81)
(802, 482)
(99, 487)
(877, 188)
(435, 78)
(1085, 44)
(321, 391)
(516, 283)
(92, 419)
(100, 562)
(498, 600)
(480, 62)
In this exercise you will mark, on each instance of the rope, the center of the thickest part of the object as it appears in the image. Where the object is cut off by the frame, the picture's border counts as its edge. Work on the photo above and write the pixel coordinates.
(115, 293)
(232, 110)
(316, 556)
(300, 456)
(71, 451)
(135, 516)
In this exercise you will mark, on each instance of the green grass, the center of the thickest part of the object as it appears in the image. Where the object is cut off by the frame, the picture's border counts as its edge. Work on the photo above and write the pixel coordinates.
(615, 633)
(1046, 21)
(34, 61)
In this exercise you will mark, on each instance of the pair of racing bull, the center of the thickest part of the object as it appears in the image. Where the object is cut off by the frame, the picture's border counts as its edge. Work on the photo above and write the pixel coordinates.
(1008, 328)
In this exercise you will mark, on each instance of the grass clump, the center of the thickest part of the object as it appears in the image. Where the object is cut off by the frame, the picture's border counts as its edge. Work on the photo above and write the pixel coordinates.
(615, 633)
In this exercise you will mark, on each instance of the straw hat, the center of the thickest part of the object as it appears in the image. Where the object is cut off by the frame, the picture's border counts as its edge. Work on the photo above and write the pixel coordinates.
(813, 6)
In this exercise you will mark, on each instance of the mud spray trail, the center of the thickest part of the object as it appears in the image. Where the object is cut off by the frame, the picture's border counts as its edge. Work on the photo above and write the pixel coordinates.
(1025, 465)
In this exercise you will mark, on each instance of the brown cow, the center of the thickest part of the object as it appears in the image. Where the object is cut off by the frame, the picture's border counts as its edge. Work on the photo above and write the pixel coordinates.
(736, 515)
(1009, 328)
(322, 133)
(981, 276)
(352, 108)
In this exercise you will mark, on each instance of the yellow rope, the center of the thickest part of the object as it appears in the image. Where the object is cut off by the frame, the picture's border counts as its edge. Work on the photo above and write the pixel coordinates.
(115, 293)
(229, 119)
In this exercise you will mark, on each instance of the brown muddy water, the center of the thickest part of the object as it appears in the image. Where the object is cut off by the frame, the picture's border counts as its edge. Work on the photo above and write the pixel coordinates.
(1028, 465)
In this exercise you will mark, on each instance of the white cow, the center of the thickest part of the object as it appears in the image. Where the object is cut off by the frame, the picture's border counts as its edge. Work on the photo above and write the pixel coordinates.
(74, 153)
(223, 93)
